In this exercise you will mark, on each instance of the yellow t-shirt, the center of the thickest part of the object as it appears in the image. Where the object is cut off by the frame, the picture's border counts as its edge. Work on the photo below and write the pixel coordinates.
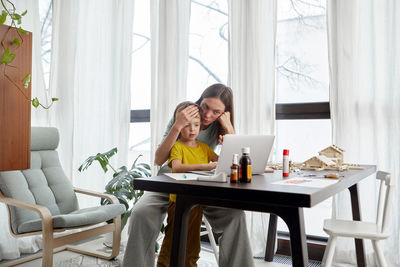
(190, 155)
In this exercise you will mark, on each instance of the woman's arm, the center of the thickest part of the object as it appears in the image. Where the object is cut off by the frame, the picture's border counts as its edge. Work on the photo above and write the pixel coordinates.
(164, 148)
(178, 166)
(225, 121)
(183, 116)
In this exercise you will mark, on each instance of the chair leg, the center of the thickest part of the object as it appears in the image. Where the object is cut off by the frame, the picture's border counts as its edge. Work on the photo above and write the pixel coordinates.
(48, 240)
(115, 247)
(47, 259)
(329, 251)
(211, 238)
(377, 244)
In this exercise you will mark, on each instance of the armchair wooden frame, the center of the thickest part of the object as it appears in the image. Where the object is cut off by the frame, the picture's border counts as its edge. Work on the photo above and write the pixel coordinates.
(52, 245)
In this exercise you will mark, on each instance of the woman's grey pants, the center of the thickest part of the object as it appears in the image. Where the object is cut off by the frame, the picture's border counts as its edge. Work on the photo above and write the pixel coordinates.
(145, 224)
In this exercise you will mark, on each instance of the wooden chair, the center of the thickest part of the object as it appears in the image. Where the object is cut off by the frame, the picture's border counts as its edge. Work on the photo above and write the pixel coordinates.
(376, 232)
(41, 200)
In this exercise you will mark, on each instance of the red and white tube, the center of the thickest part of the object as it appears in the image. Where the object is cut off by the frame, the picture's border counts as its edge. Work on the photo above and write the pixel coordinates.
(285, 163)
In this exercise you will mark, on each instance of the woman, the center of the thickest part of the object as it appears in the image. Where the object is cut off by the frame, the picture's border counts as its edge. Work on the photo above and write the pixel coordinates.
(216, 111)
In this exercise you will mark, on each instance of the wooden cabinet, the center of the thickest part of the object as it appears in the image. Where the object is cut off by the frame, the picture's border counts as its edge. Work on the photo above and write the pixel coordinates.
(15, 109)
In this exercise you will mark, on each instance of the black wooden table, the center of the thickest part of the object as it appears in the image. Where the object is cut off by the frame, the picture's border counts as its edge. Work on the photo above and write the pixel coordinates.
(285, 201)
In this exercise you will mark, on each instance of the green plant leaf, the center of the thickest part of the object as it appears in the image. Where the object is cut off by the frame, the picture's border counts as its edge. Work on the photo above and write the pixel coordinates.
(124, 218)
(26, 80)
(3, 17)
(23, 14)
(22, 31)
(54, 99)
(35, 102)
(144, 171)
(145, 165)
(6, 57)
(134, 163)
(16, 42)
(102, 158)
(16, 17)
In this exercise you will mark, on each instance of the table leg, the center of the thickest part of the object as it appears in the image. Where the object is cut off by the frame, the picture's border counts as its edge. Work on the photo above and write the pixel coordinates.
(294, 218)
(178, 248)
(355, 207)
(270, 249)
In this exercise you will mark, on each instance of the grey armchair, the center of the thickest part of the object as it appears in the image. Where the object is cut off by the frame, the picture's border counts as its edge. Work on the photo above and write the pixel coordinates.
(41, 200)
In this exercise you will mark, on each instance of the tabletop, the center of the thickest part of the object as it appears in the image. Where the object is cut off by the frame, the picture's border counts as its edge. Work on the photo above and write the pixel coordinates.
(263, 188)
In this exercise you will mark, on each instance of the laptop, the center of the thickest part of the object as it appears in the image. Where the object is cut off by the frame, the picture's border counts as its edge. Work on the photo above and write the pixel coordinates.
(260, 149)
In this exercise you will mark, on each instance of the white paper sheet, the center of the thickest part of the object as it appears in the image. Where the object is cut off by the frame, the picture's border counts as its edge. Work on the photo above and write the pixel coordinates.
(308, 182)
(182, 176)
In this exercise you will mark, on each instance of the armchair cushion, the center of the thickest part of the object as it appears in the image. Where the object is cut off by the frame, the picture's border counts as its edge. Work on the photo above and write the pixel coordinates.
(76, 218)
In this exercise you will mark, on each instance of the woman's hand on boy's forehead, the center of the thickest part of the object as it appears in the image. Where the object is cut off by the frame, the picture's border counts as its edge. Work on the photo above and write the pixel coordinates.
(186, 115)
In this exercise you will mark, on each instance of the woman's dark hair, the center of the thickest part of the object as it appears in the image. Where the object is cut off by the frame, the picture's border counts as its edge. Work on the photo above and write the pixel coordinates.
(223, 93)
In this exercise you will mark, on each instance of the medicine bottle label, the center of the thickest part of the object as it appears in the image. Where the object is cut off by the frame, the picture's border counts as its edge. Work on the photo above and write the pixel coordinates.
(249, 172)
(234, 176)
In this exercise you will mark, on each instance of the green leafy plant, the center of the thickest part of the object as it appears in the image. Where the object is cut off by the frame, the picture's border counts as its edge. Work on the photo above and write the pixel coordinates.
(9, 48)
(121, 184)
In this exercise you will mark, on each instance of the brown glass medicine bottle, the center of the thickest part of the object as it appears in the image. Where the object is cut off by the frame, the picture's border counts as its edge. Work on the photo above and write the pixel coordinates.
(235, 169)
(245, 166)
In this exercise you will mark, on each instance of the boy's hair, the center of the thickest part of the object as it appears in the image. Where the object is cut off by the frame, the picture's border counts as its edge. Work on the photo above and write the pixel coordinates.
(184, 104)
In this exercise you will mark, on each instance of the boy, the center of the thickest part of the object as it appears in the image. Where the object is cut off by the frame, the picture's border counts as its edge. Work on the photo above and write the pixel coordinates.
(187, 154)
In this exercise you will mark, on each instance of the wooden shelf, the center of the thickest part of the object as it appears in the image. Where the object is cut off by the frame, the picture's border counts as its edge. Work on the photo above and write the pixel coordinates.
(15, 109)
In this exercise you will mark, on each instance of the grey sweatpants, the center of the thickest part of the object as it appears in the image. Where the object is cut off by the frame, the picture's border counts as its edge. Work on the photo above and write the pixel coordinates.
(145, 224)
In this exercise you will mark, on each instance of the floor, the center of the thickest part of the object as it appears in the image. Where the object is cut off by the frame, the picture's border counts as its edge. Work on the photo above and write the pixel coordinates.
(72, 259)
(207, 258)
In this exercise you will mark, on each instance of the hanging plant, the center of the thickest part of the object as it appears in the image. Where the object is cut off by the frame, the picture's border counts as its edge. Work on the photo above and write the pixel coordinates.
(9, 48)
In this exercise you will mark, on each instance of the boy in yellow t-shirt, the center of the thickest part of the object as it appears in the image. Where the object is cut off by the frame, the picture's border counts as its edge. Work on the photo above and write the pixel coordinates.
(187, 154)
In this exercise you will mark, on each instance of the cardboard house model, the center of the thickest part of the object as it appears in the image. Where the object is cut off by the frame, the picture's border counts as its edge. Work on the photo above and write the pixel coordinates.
(330, 158)
(334, 153)
(319, 161)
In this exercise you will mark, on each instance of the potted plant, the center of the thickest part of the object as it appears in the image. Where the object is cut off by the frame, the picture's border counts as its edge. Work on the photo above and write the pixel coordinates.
(121, 184)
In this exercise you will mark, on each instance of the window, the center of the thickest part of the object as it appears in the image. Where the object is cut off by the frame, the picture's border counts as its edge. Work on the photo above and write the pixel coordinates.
(208, 46)
(302, 91)
(207, 64)
(139, 139)
(46, 14)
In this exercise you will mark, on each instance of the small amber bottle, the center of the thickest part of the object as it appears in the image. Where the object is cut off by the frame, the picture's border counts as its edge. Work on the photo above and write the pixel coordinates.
(235, 169)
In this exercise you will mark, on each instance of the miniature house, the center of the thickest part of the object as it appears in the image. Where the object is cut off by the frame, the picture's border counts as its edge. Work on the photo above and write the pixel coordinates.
(319, 161)
(333, 152)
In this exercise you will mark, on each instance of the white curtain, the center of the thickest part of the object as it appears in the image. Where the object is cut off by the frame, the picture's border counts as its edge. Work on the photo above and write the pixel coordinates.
(10, 247)
(90, 73)
(169, 55)
(252, 31)
(364, 62)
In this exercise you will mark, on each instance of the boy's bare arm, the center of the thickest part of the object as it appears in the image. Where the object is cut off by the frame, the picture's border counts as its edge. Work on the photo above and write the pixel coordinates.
(178, 166)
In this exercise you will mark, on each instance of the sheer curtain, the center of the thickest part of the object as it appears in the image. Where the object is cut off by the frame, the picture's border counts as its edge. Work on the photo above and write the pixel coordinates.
(252, 31)
(10, 247)
(90, 73)
(169, 56)
(364, 60)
